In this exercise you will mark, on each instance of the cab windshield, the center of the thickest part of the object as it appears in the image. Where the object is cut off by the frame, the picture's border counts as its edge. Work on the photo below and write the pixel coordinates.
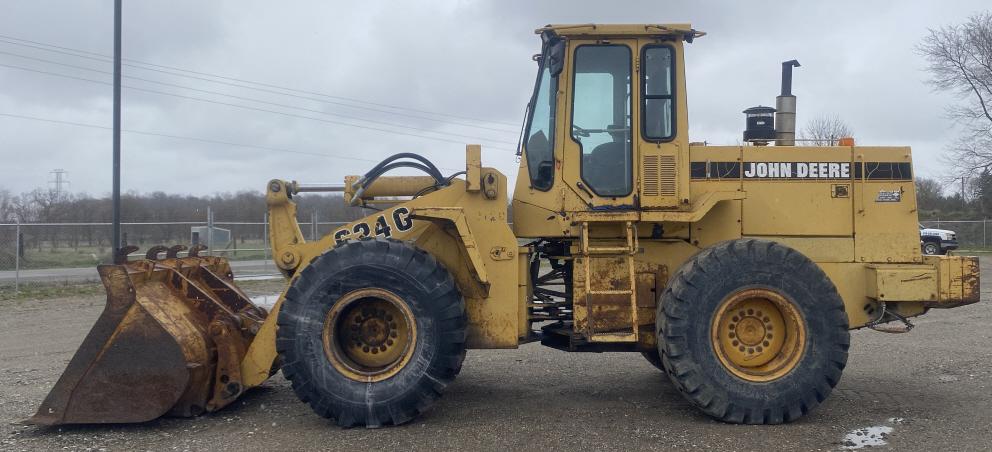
(538, 144)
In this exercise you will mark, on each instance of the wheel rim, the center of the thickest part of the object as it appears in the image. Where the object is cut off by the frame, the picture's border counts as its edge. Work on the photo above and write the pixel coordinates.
(369, 335)
(758, 335)
(930, 248)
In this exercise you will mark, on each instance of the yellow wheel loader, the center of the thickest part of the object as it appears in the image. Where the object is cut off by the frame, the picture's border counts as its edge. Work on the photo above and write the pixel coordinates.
(737, 270)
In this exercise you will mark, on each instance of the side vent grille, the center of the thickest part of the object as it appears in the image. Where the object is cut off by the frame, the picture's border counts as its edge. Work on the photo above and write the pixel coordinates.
(666, 175)
(659, 184)
(649, 177)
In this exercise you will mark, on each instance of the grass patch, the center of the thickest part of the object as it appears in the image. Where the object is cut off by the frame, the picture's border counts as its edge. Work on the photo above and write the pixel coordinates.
(36, 290)
(42, 290)
(91, 256)
(262, 287)
(972, 252)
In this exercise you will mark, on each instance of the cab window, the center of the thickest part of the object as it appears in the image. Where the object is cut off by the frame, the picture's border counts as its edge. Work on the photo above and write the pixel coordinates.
(601, 117)
(657, 109)
(539, 143)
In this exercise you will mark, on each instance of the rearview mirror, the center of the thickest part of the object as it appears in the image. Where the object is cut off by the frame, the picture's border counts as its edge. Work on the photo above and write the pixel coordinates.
(556, 57)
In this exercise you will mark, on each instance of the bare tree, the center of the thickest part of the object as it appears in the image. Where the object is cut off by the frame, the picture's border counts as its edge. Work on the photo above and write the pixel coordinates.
(959, 60)
(6, 206)
(929, 193)
(824, 130)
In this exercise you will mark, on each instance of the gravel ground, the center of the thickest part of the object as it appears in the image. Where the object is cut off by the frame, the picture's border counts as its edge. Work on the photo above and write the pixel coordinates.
(926, 390)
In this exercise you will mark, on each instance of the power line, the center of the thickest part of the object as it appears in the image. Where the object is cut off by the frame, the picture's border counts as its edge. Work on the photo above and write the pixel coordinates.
(69, 50)
(293, 115)
(251, 99)
(182, 137)
(197, 139)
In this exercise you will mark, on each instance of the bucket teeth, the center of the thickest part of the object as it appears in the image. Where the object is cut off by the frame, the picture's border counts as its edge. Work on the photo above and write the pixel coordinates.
(123, 252)
(170, 340)
(153, 252)
(194, 251)
(173, 252)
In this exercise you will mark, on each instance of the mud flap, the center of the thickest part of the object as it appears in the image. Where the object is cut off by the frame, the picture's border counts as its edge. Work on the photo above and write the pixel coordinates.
(167, 342)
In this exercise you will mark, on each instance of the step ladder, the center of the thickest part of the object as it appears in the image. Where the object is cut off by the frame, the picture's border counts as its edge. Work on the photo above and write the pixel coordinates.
(589, 253)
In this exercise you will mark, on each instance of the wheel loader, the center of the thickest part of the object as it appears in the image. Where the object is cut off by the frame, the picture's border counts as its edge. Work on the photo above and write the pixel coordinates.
(737, 271)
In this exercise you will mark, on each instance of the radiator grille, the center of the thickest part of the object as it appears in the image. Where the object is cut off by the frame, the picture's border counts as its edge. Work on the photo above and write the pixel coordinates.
(649, 176)
(666, 175)
(658, 175)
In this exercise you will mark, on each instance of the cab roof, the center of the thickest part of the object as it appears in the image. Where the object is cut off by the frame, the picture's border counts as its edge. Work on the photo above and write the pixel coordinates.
(623, 30)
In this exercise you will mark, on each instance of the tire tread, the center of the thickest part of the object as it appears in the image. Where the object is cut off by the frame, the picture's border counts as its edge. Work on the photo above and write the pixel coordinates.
(675, 321)
(447, 308)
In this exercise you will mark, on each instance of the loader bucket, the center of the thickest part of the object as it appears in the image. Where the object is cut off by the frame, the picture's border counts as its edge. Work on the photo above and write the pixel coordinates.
(170, 341)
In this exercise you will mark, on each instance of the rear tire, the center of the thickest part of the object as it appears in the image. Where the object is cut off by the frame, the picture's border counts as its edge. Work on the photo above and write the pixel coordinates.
(351, 301)
(752, 332)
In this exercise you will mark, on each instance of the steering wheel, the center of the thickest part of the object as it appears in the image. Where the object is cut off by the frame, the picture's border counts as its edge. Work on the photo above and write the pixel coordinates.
(580, 131)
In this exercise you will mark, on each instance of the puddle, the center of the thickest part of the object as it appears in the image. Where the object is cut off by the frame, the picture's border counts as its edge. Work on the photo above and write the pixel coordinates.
(265, 301)
(867, 437)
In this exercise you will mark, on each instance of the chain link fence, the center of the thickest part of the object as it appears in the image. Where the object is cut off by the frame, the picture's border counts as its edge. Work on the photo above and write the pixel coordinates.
(71, 251)
(971, 234)
(11, 251)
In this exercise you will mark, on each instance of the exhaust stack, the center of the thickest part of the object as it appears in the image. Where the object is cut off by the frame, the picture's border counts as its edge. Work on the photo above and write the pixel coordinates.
(785, 108)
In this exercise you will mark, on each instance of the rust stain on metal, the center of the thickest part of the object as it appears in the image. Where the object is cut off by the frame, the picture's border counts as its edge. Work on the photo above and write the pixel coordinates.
(611, 313)
(960, 281)
(169, 341)
(970, 280)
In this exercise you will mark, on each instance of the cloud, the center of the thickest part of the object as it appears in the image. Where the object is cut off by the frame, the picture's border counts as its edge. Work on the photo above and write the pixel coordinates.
(467, 60)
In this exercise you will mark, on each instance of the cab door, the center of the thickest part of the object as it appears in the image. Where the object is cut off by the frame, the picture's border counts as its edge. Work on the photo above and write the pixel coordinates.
(661, 138)
(599, 136)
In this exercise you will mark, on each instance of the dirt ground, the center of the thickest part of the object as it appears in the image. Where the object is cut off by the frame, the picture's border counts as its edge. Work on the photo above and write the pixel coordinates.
(930, 389)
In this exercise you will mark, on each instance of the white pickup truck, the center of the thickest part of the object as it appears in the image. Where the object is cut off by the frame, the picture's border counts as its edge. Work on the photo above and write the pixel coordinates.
(937, 241)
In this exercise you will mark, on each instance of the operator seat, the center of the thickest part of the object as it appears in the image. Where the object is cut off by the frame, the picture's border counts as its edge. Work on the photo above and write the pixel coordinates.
(605, 171)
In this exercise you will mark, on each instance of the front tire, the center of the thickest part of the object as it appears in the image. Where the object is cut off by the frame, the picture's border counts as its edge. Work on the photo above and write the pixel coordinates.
(753, 332)
(931, 248)
(653, 357)
(371, 332)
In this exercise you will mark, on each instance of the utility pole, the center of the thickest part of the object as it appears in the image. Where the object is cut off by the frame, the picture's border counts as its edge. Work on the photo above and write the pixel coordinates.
(60, 179)
(118, 257)
(964, 201)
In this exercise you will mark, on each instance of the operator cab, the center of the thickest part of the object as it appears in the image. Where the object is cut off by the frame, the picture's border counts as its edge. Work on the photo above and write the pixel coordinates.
(606, 124)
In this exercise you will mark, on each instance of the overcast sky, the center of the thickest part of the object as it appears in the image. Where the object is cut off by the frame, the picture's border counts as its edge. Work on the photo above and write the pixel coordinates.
(460, 71)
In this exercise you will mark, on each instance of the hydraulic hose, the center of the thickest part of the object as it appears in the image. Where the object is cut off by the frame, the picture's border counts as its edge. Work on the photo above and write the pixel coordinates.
(391, 163)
